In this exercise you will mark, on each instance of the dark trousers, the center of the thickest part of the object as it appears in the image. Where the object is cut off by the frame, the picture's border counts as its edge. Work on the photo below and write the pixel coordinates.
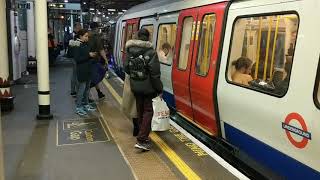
(145, 113)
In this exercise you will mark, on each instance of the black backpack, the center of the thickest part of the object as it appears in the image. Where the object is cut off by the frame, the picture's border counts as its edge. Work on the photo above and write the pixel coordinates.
(138, 68)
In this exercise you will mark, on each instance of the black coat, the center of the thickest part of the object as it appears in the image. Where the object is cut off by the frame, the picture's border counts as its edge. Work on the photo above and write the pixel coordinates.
(84, 64)
(152, 86)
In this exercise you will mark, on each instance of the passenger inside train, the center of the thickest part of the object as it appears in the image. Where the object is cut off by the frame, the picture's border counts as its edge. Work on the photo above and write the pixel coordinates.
(165, 53)
(242, 73)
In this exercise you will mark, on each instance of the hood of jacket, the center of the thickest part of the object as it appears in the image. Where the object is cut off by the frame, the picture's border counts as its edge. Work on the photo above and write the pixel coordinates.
(75, 43)
(137, 47)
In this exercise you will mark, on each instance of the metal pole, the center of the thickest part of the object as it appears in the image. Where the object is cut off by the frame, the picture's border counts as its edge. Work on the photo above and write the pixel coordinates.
(6, 98)
(42, 59)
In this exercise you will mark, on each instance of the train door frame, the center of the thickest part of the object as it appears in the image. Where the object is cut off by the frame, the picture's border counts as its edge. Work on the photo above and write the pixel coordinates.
(181, 77)
(257, 128)
(166, 69)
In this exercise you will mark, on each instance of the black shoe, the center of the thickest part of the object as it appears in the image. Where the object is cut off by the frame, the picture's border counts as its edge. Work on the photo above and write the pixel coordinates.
(73, 94)
(146, 146)
(91, 100)
(101, 95)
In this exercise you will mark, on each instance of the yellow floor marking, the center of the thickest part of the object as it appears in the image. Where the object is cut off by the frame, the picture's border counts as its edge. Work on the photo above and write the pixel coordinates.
(174, 158)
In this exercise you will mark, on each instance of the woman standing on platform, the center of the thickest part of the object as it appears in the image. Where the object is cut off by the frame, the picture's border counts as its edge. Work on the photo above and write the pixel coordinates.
(82, 56)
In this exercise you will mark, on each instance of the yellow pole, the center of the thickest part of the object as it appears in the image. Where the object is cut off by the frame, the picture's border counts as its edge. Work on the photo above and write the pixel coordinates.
(274, 46)
(267, 50)
(258, 49)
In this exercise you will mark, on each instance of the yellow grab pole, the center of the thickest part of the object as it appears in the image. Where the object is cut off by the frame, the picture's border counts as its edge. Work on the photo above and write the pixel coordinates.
(267, 50)
(258, 49)
(274, 46)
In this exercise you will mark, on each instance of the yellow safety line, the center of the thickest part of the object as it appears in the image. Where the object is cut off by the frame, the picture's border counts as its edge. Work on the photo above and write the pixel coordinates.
(174, 158)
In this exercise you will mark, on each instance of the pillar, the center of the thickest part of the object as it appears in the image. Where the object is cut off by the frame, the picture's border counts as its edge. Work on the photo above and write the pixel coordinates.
(42, 59)
(1, 146)
(6, 98)
(30, 29)
(71, 22)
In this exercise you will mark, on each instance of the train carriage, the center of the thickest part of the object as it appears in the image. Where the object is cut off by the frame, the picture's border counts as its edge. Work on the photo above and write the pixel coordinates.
(244, 72)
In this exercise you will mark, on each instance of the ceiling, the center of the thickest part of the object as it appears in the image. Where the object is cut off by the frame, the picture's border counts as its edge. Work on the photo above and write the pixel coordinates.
(100, 5)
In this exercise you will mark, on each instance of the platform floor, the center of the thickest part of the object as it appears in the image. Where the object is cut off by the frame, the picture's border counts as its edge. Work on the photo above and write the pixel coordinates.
(96, 147)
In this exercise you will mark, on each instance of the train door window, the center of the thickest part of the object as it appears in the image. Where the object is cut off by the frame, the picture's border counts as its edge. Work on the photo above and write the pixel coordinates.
(187, 30)
(150, 29)
(123, 38)
(135, 31)
(261, 52)
(165, 42)
(129, 32)
(206, 43)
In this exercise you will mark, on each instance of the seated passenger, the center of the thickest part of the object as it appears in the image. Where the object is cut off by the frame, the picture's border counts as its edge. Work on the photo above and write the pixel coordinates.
(243, 68)
(164, 53)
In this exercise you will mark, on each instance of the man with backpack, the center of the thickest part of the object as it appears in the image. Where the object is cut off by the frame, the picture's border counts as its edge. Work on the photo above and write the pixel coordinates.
(143, 66)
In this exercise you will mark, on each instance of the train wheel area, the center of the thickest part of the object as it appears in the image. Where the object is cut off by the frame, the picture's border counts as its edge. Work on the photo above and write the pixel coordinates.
(99, 146)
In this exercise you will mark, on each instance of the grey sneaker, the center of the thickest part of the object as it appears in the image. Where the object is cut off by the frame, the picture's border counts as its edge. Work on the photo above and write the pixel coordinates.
(88, 107)
(144, 146)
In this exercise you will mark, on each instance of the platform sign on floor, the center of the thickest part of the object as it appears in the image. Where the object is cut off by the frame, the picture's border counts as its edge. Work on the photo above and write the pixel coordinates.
(81, 131)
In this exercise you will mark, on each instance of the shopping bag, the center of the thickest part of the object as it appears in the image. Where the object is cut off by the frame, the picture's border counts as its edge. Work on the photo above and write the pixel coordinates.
(128, 105)
(161, 115)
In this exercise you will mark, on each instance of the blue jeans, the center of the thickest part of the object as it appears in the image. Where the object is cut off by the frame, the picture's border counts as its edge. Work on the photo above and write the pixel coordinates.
(74, 81)
(83, 93)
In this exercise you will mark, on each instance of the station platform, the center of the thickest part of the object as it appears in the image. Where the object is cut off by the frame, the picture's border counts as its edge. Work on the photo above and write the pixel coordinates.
(99, 146)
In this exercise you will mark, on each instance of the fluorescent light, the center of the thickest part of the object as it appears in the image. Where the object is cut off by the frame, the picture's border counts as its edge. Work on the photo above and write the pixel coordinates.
(91, 9)
(111, 10)
(66, 1)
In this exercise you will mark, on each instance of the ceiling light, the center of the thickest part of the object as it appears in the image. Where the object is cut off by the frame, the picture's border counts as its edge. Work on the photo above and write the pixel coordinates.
(111, 10)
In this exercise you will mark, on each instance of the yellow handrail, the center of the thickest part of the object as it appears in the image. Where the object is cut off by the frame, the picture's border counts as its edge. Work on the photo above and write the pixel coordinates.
(267, 50)
(258, 49)
(274, 46)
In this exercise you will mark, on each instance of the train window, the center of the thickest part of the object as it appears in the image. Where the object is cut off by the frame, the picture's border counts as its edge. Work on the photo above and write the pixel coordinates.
(206, 43)
(261, 52)
(316, 92)
(129, 32)
(150, 29)
(165, 43)
(187, 30)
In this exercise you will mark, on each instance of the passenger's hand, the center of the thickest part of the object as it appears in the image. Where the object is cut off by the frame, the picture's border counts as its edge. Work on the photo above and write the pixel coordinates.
(160, 96)
(92, 54)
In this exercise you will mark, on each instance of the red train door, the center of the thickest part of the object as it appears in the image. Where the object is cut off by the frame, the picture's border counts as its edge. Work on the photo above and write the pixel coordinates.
(131, 28)
(203, 71)
(182, 63)
(194, 85)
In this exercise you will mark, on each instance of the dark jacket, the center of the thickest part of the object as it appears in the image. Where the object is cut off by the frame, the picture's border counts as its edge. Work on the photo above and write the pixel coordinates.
(95, 44)
(82, 58)
(152, 86)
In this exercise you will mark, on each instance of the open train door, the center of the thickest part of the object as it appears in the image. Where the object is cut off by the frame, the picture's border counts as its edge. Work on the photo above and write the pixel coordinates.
(194, 67)
(131, 28)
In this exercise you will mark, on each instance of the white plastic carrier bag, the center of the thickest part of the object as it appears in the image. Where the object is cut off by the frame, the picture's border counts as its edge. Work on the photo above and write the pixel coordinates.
(161, 115)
